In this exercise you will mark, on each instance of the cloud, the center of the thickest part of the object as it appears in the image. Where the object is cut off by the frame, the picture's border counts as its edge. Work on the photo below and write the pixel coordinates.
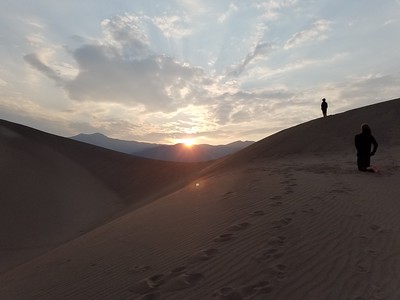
(127, 34)
(194, 6)
(360, 91)
(315, 32)
(156, 82)
(232, 9)
(223, 112)
(3, 83)
(242, 107)
(299, 64)
(241, 116)
(389, 22)
(34, 60)
(271, 9)
(173, 26)
(122, 69)
(261, 49)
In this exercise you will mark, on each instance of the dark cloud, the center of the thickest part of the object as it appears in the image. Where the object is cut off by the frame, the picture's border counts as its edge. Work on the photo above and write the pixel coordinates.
(34, 60)
(155, 81)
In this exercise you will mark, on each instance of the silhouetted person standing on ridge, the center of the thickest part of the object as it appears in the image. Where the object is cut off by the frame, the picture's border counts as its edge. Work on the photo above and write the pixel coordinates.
(363, 142)
(324, 107)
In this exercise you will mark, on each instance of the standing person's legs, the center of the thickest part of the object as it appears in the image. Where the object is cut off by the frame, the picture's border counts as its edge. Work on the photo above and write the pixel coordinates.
(363, 162)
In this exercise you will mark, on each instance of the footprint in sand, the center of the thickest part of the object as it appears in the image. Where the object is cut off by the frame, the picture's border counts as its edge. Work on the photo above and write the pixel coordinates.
(282, 223)
(148, 285)
(202, 255)
(375, 227)
(224, 237)
(279, 271)
(372, 252)
(240, 226)
(307, 209)
(274, 252)
(277, 203)
(243, 292)
(228, 195)
(183, 281)
(258, 213)
(262, 287)
(285, 182)
(288, 190)
(150, 296)
(139, 269)
(227, 293)
(277, 241)
(269, 255)
(177, 279)
(363, 265)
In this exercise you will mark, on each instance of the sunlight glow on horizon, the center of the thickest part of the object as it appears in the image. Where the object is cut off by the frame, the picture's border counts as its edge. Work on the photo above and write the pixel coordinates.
(187, 142)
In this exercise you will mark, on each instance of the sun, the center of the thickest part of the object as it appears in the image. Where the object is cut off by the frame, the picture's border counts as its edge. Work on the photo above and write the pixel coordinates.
(187, 142)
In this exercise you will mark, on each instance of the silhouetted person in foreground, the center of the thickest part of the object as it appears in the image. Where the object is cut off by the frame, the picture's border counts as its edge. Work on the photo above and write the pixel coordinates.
(363, 142)
(324, 107)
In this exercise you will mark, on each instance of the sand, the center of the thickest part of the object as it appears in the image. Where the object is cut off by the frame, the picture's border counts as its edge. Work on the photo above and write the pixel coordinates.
(54, 189)
(290, 217)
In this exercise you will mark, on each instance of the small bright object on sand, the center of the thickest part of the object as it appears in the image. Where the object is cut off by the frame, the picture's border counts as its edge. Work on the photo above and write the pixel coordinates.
(197, 184)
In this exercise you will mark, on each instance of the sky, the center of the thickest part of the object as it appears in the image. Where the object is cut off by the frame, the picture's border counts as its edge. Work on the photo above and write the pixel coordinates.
(214, 71)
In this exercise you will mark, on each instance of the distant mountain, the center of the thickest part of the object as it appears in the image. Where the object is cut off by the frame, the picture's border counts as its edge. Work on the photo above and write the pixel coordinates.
(178, 152)
(123, 146)
(194, 153)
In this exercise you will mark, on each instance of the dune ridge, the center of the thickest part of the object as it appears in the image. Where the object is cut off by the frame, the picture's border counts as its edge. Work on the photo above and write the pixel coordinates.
(289, 217)
(332, 134)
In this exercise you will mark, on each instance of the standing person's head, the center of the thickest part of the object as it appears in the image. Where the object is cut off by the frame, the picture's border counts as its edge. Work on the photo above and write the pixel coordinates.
(323, 100)
(365, 128)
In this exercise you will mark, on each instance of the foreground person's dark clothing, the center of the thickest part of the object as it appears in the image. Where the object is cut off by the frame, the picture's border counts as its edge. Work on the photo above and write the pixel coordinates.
(363, 142)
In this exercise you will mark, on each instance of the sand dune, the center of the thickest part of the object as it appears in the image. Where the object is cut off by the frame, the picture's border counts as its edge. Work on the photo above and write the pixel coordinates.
(333, 134)
(54, 189)
(289, 217)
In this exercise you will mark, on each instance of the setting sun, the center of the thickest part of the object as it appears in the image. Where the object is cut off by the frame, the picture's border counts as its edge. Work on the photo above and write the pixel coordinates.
(186, 142)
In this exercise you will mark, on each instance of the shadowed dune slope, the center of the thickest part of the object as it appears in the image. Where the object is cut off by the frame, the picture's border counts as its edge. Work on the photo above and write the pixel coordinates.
(54, 189)
(334, 133)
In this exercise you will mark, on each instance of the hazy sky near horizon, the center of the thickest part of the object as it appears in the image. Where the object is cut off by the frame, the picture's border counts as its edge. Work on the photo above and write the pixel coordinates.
(215, 71)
